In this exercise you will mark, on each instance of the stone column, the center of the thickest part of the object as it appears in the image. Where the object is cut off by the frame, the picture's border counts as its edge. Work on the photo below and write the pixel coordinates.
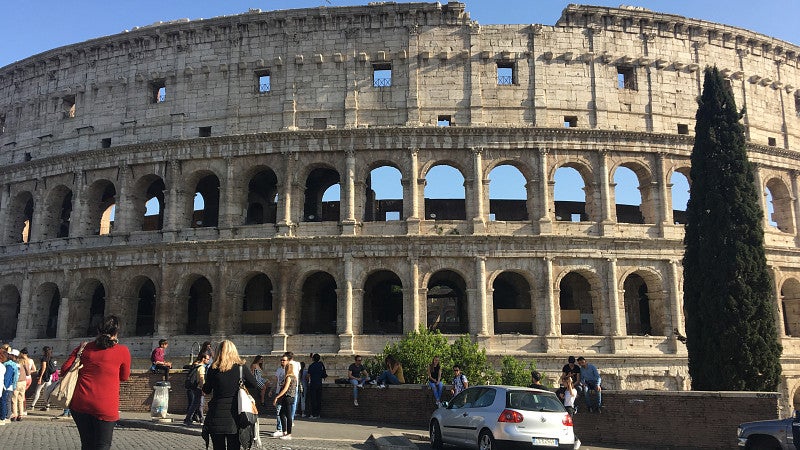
(486, 317)
(413, 209)
(230, 213)
(475, 67)
(346, 343)
(412, 101)
(796, 204)
(616, 324)
(541, 194)
(478, 192)
(25, 328)
(280, 337)
(175, 199)
(62, 330)
(676, 303)
(411, 307)
(664, 197)
(607, 216)
(349, 198)
(39, 213)
(79, 218)
(5, 212)
(779, 313)
(762, 196)
(125, 211)
(285, 224)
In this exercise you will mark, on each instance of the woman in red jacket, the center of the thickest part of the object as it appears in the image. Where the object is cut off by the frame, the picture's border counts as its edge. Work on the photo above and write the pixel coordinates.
(95, 402)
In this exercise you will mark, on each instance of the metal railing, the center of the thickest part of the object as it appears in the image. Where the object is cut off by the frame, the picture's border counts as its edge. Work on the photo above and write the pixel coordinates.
(505, 80)
(382, 82)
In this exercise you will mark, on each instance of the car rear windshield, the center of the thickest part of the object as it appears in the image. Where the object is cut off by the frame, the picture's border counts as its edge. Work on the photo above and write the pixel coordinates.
(533, 401)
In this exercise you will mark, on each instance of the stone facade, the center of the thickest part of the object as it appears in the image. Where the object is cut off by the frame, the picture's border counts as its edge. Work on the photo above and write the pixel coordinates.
(106, 144)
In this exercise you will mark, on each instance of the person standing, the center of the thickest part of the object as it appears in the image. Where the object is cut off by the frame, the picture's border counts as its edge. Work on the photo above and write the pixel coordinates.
(46, 369)
(18, 398)
(28, 378)
(286, 398)
(460, 381)
(194, 389)
(435, 379)
(3, 407)
(95, 402)
(358, 375)
(590, 382)
(316, 373)
(570, 394)
(9, 384)
(222, 381)
(257, 368)
(158, 358)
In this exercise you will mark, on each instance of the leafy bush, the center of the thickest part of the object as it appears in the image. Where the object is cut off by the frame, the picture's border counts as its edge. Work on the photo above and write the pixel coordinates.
(472, 360)
(416, 351)
(516, 373)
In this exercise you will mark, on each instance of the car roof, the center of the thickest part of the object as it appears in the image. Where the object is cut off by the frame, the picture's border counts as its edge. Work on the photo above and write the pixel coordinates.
(513, 388)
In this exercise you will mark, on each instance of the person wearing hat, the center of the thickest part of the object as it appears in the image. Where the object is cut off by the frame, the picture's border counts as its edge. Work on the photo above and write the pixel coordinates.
(10, 380)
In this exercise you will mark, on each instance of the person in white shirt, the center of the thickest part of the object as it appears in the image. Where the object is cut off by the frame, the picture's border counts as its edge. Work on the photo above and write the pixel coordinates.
(570, 394)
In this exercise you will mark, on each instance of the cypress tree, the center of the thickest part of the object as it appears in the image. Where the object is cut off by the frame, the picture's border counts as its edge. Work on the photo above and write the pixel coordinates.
(729, 301)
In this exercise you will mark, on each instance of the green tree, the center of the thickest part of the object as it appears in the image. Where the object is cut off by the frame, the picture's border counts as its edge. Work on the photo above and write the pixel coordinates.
(728, 294)
(472, 360)
(416, 351)
(515, 372)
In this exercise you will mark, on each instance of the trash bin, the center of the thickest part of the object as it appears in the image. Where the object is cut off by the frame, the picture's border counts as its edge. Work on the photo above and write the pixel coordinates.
(160, 405)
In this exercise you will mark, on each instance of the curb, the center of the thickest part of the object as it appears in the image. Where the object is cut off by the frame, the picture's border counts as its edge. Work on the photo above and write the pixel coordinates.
(157, 426)
(392, 441)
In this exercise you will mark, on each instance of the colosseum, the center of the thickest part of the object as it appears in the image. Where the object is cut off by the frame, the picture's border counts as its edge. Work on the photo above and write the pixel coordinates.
(229, 177)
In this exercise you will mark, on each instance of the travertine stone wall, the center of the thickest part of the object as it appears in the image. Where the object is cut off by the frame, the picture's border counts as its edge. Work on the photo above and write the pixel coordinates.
(81, 129)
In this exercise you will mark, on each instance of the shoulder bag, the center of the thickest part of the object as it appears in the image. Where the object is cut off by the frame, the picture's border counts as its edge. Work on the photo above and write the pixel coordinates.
(66, 385)
(248, 411)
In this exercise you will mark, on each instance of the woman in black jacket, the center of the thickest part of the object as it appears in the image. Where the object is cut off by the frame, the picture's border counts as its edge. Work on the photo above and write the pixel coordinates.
(222, 380)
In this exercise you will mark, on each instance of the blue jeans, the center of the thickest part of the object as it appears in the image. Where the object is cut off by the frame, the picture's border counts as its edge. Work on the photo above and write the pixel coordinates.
(5, 399)
(194, 396)
(592, 401)
(278, 408)
(355, 382)
(387, 378)
(437, 388)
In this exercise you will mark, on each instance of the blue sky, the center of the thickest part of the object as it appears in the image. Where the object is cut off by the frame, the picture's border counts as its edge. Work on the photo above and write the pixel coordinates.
(31, 27)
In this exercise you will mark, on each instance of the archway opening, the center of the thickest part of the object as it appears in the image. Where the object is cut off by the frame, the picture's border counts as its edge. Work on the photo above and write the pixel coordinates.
(262, 192)
(384, 195)
(508, 195)
(637, 306)
(20, 219)
(257, 306)
(790, 296)
(511, 299)
(577, 309)
(322, 196)
(10, 302)
(318, 304)
(154, 206)
(779, 206)
(199, 307)
(680, 195)
(206, 202)
(447, 303)
(569, 195)
(146, 309)
(102, 197)
(383, 303)
(627, 196)
(445, 195)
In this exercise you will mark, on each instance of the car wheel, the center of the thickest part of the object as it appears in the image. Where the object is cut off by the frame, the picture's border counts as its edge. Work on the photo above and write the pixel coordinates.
(436, 435)
(486, 441)
(763, 443)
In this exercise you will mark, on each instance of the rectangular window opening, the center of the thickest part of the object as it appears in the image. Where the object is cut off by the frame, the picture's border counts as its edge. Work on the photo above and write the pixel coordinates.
(392, 215)
(204, 131)
(158, 91)
(506, 75)
(320, 123)
(575, 217)
(772, 142)
(626, 78)
(683, 128)
(105, 143)
(263, 80)
(68, 105)
(570, 121)
(382, 75)
(492, 217)
(443, 121)
(796, 106)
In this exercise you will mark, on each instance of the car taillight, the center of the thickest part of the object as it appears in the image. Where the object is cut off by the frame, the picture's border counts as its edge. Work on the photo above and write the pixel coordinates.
(567, 420)
(510, 416)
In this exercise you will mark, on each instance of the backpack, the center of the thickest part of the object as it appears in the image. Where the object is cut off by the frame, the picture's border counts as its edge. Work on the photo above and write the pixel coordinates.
(192, 378)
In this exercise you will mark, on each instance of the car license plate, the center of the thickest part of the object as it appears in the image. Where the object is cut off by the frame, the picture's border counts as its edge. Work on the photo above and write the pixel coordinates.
(545, 442)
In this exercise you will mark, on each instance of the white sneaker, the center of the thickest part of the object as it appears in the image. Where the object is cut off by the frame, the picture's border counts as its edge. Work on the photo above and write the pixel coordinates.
(277, 434)
(381, 386)
(286, 437)
(373, 382)
(355, 402)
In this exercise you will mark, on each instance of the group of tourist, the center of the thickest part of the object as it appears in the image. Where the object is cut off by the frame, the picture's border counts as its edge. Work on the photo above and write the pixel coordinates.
(578, 377)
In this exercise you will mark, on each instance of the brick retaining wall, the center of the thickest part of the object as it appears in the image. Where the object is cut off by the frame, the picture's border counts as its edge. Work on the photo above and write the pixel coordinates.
(659, 419)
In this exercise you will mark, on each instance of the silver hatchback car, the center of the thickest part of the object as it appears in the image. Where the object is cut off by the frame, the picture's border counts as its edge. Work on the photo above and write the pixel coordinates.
(491, 417)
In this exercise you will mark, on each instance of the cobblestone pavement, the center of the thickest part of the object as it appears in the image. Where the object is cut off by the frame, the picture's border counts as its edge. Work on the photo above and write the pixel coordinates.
(62, 434)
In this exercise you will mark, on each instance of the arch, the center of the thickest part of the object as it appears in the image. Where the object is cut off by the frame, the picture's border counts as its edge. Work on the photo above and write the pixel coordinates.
(10, 303)
(206, 211)
(101, 198)
(383, 303)
(679, 181)
(383, 195)
(790, 296)
(445, 194)
(148, 203)
(198, 307)
(20, 219)
(318, 304)
(511, 302)
(45, 311)
(581, 311)
(795, 400)
(86, 309)
(262, 196)
(55, 222)
(779, 205)
(508, 193)
(314, 208)
(573, 193)
(447, 303)
(257, 305)
(627, 190)
(645, 304)
(146, 298)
